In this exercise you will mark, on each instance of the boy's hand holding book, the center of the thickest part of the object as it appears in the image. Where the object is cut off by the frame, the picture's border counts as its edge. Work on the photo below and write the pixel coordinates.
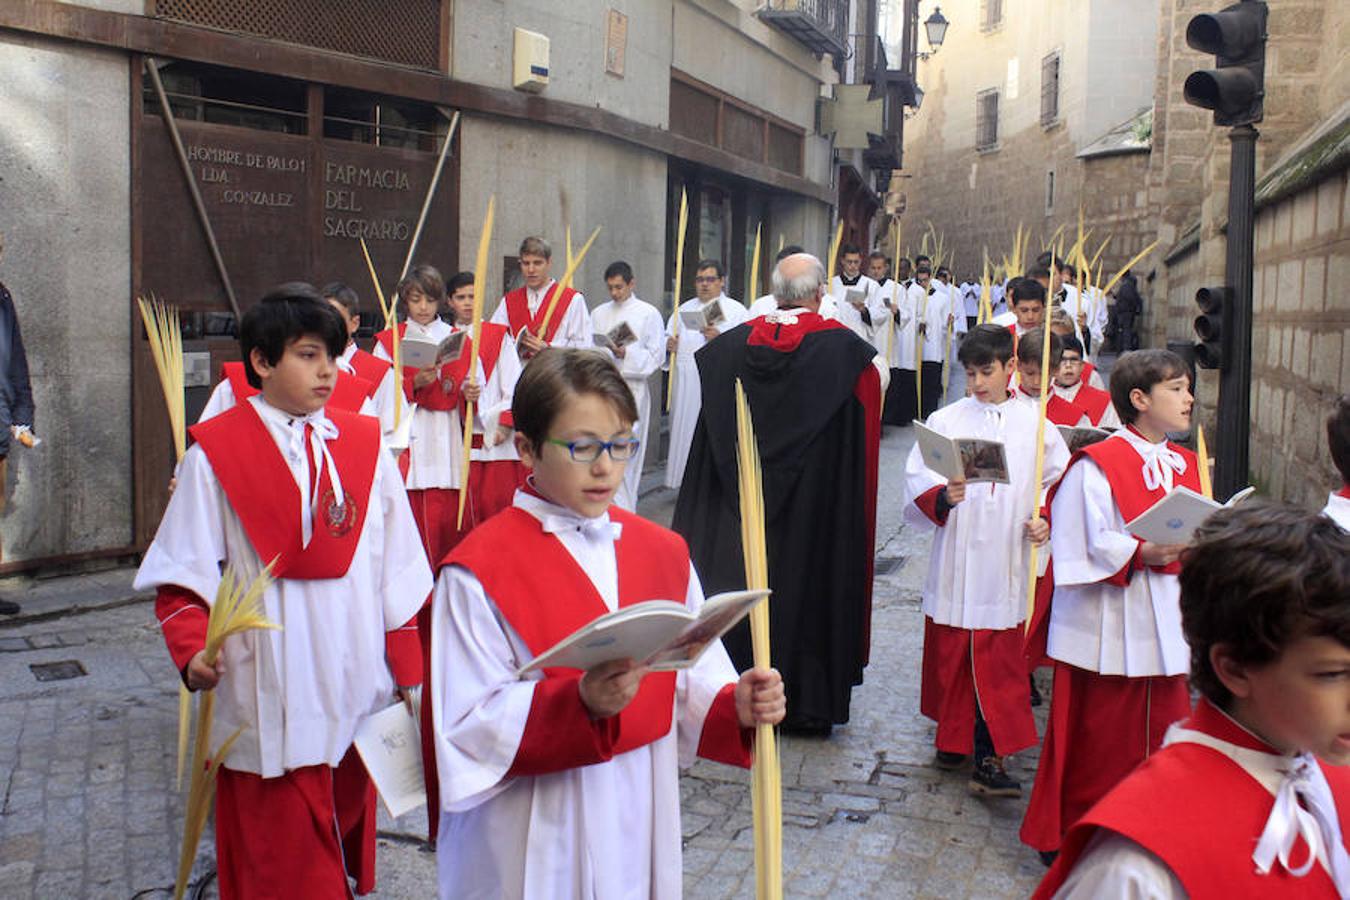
(424, 377)
(1151, 554)
(528, 344)
(710, 332)
(760, 699)
(202, 677)
(610, 686)
(955, 491)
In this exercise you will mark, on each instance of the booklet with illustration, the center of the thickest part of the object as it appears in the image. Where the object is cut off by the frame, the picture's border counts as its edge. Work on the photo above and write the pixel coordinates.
(855, 297)
(699, 319)
(661, 634)
(971, 460)
(391, 749)
(1078, 438)
(419, 354)
(1174, 518)
(618, 336)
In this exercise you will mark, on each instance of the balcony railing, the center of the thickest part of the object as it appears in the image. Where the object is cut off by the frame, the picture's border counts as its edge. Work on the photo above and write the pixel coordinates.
(820, 25)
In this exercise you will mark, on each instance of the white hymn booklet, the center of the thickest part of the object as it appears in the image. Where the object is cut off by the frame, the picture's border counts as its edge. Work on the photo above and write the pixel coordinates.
(699, 319)
(972, 460)
(661, 634)
(1174, 518)
(420, 354)
(390, 747)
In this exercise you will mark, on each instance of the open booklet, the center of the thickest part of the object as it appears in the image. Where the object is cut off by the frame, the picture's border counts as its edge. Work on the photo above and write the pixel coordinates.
(1078, 438)
(391, 748)
(419, 354)
(699, 319)
(1174, 518)
(618, 336)
(661, 634)
(971, 460)
(855, 297)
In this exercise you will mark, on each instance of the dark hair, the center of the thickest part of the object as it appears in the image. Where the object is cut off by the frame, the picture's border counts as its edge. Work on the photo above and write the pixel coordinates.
(1032, 345)
(1070, 342)
(1141, 370)
(619, 269)
(1010, 287)
(557, 374)
(714, 264)
(1069, 269)
(985, 344)
(922, 258)
(425, 278)
(336, 290)
(535, 246)
(457, 281)
(1036, 272)
(789, 250)
(287, 313)
(1028, 289)
(849, 247)
(923, 269)
(877, 254)
(943, 270)
(1338, 436)
(904, 261)
(1256, 578)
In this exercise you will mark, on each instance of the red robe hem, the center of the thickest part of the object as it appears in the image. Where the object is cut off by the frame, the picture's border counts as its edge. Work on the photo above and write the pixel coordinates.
(968, 668)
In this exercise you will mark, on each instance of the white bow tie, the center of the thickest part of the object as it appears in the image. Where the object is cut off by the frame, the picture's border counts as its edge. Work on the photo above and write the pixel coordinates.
(1160, 461)
(324, 430)
(1317, 824)
(592, 529)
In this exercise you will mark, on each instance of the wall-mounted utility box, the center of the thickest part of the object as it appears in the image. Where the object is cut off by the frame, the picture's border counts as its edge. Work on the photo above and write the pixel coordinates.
(530, 70)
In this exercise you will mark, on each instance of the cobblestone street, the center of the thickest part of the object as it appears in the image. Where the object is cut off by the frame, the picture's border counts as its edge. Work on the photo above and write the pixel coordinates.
(86, 764)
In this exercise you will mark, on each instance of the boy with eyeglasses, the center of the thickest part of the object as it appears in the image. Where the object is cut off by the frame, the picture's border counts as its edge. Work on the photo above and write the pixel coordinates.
(566, 783)
(1070, 384)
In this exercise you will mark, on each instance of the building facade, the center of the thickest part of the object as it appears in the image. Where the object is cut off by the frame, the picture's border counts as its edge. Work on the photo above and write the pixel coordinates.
(1032, 111)
(308, 125)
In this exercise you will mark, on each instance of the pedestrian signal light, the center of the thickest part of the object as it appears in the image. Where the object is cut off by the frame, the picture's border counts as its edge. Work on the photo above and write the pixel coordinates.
(1237, 38)
(1215, 304)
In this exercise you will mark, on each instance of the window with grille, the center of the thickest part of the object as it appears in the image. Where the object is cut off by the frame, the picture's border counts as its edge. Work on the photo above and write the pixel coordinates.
(1050, 90)
(991, 15)
(986, 119)
(406, 33)
(221, 96)
(383, 121)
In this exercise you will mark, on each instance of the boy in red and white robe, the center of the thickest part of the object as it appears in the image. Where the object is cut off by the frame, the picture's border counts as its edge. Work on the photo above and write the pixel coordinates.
(379, 373)
(1071, 384)
(351, 393)
(262, 482)
(524, 310)
(1113, 628)
(564, 783)
(974, 600)
(1058, 411)
(1249, 797)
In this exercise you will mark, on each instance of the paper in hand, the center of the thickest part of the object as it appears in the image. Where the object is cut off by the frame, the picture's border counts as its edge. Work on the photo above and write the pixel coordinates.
(391, 748)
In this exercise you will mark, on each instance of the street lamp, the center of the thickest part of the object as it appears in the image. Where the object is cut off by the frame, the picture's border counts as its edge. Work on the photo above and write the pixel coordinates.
(936, 26)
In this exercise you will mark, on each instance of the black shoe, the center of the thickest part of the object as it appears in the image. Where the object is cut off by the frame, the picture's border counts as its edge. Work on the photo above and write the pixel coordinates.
(989, 779)
(1048, 857)
(9, 608)
(807, 727)
(1036, 698)
(949, 762)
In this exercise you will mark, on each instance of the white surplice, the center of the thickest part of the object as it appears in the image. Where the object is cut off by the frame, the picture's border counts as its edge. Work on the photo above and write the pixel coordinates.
(436, 440)
(300, 692)
(688, 397)
(575, 328)
(499, 389)
(874, 331)
(1338, 509)
(1110, 418)
(977, 571)
(1134, 630)
(641, 360)
(608, 830)
(382, 401)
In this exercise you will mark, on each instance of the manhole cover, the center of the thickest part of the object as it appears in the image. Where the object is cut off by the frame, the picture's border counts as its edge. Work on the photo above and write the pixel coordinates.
(58, 671)
(888, 565)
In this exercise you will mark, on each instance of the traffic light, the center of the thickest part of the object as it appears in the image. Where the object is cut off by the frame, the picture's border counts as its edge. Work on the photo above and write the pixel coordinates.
(1236, 35)
(1215, 304)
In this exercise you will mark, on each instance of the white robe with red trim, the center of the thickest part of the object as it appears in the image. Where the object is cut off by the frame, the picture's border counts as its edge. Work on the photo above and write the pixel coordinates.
(611, 829)
(641, 360)
(382, 401)
(436, 441)
(498, 377)
(300, 692)
(573, 326)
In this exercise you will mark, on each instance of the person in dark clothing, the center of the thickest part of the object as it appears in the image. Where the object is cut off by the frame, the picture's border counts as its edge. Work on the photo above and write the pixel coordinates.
(1129, 306)
(16, 397)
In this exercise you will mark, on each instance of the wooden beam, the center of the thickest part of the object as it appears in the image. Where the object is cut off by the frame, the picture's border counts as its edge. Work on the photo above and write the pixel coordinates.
(176, 40)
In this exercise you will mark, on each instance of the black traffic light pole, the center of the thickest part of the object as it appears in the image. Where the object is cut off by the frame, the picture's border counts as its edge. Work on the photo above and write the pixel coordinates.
(1235, 378)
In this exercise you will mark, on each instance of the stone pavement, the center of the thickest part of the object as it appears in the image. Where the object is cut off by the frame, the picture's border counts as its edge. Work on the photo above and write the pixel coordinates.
(87, 806)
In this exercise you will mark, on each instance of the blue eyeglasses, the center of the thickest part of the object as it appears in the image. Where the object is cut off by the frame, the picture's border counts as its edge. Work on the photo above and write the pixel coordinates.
(588, 450)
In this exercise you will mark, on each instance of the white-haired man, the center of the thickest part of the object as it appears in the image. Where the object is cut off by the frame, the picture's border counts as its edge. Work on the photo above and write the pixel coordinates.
(814, 389)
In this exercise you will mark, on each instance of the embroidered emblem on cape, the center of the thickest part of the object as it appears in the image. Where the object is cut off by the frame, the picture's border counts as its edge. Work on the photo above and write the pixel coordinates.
(338, 518)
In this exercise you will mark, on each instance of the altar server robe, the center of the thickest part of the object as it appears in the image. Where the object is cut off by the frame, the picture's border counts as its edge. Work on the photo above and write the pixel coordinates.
(641, 360)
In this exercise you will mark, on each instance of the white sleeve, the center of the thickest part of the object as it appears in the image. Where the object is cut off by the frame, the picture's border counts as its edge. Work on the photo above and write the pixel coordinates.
(406, 577)
(919, 480)
(499, 390)
(1087, 544)
(384, 401)
(499, 316)
(480, 706)
(1113, 867)
(1110, 418)
(735, 313)
(646, 354)
(575, 330)
(697, 687)
(190, 544)
(877, 309)
(1056, 454)
(380, 353)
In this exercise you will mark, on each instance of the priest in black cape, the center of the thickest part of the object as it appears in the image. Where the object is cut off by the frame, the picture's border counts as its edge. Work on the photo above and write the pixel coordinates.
(814, 389)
